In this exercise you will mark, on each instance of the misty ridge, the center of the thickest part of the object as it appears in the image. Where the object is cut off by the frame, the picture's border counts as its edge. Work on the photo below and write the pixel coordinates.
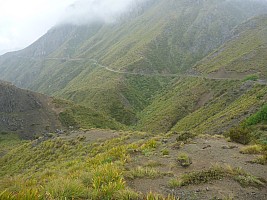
(84, 12)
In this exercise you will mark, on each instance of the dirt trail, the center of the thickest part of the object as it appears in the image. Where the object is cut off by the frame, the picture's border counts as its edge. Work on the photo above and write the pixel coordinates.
(65, 59)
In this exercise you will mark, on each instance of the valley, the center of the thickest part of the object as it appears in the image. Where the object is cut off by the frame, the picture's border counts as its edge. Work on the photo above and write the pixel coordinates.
(167, 102)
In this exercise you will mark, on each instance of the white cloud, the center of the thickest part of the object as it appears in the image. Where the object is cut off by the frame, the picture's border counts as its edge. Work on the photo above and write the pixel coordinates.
(24, 21)
(85, 11)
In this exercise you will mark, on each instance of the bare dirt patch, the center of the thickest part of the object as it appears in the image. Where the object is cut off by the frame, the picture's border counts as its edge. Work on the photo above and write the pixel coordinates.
(205, 152)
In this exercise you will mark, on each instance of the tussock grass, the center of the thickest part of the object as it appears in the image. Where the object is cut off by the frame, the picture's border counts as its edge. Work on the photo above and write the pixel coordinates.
(262, 159)
(217, 173)
(154, 196)
(144, 172)
(252, 149)
(184, 160)
(66, 188)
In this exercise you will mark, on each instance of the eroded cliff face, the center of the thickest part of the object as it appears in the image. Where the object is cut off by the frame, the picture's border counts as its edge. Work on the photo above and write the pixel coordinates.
(25, 112)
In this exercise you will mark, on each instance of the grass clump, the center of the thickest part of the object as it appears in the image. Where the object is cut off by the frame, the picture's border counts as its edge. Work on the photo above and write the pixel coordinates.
(165, 152)
(154, 196)
(66, 188)
(185, 136)
(240, 135)
(262, 159)
(107, 180)
(252, 77)
(217, 173)
(144, 172)
(184, 160)
(195, 178)
(153, 163)
(29, 194)
(252, 149)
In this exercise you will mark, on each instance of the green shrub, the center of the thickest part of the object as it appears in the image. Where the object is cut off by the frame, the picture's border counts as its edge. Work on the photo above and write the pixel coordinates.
(185, 136)
(240, 135)
(260, 116)
(252, 77)
(184, 160)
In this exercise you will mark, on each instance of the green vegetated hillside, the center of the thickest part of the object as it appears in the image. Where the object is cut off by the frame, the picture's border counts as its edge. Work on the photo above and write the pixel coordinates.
(180, 71)
(156, 37)
(31, 114)
(210, 104)
(78, 116)
(242, 55)
(202, 106)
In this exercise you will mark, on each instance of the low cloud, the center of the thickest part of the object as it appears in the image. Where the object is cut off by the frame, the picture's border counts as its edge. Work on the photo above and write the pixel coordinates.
(86, 11)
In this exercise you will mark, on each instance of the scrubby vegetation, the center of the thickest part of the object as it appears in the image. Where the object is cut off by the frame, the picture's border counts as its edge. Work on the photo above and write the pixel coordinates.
(259, 117)
(217, 173)
(252, 149)
(184, 160)
(240, 135)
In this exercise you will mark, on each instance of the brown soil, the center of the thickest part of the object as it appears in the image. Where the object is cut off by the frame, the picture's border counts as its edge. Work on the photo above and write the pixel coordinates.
(93, 135)
(204, 152)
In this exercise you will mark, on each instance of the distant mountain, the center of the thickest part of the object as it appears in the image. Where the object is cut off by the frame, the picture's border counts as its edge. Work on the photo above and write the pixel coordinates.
(244, 54)
(119, 69)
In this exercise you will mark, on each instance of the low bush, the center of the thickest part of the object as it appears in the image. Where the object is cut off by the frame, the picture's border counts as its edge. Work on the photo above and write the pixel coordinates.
(252, 77)
(185, 136)
(240, 135)
(184, 160)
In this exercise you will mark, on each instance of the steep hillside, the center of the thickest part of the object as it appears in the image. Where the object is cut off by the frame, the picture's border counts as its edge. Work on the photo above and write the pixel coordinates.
(244, 54)
(25, 112)
(28, 113)
(160, 37)
(222, 91)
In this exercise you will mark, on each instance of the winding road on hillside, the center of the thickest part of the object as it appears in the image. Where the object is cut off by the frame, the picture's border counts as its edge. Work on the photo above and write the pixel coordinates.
(95, 62)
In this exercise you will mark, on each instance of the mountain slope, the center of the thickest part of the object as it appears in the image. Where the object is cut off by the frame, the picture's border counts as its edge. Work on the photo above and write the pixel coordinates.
(25, 112)
(29, 113)
(213, 102)
(244, 54)
(166, 37)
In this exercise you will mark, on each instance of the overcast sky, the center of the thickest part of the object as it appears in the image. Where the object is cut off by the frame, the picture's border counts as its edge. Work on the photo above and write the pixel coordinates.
(24, 21)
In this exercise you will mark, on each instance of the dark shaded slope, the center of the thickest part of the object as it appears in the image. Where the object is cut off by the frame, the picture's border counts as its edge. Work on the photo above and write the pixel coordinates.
(29, 113)
(25, 112)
